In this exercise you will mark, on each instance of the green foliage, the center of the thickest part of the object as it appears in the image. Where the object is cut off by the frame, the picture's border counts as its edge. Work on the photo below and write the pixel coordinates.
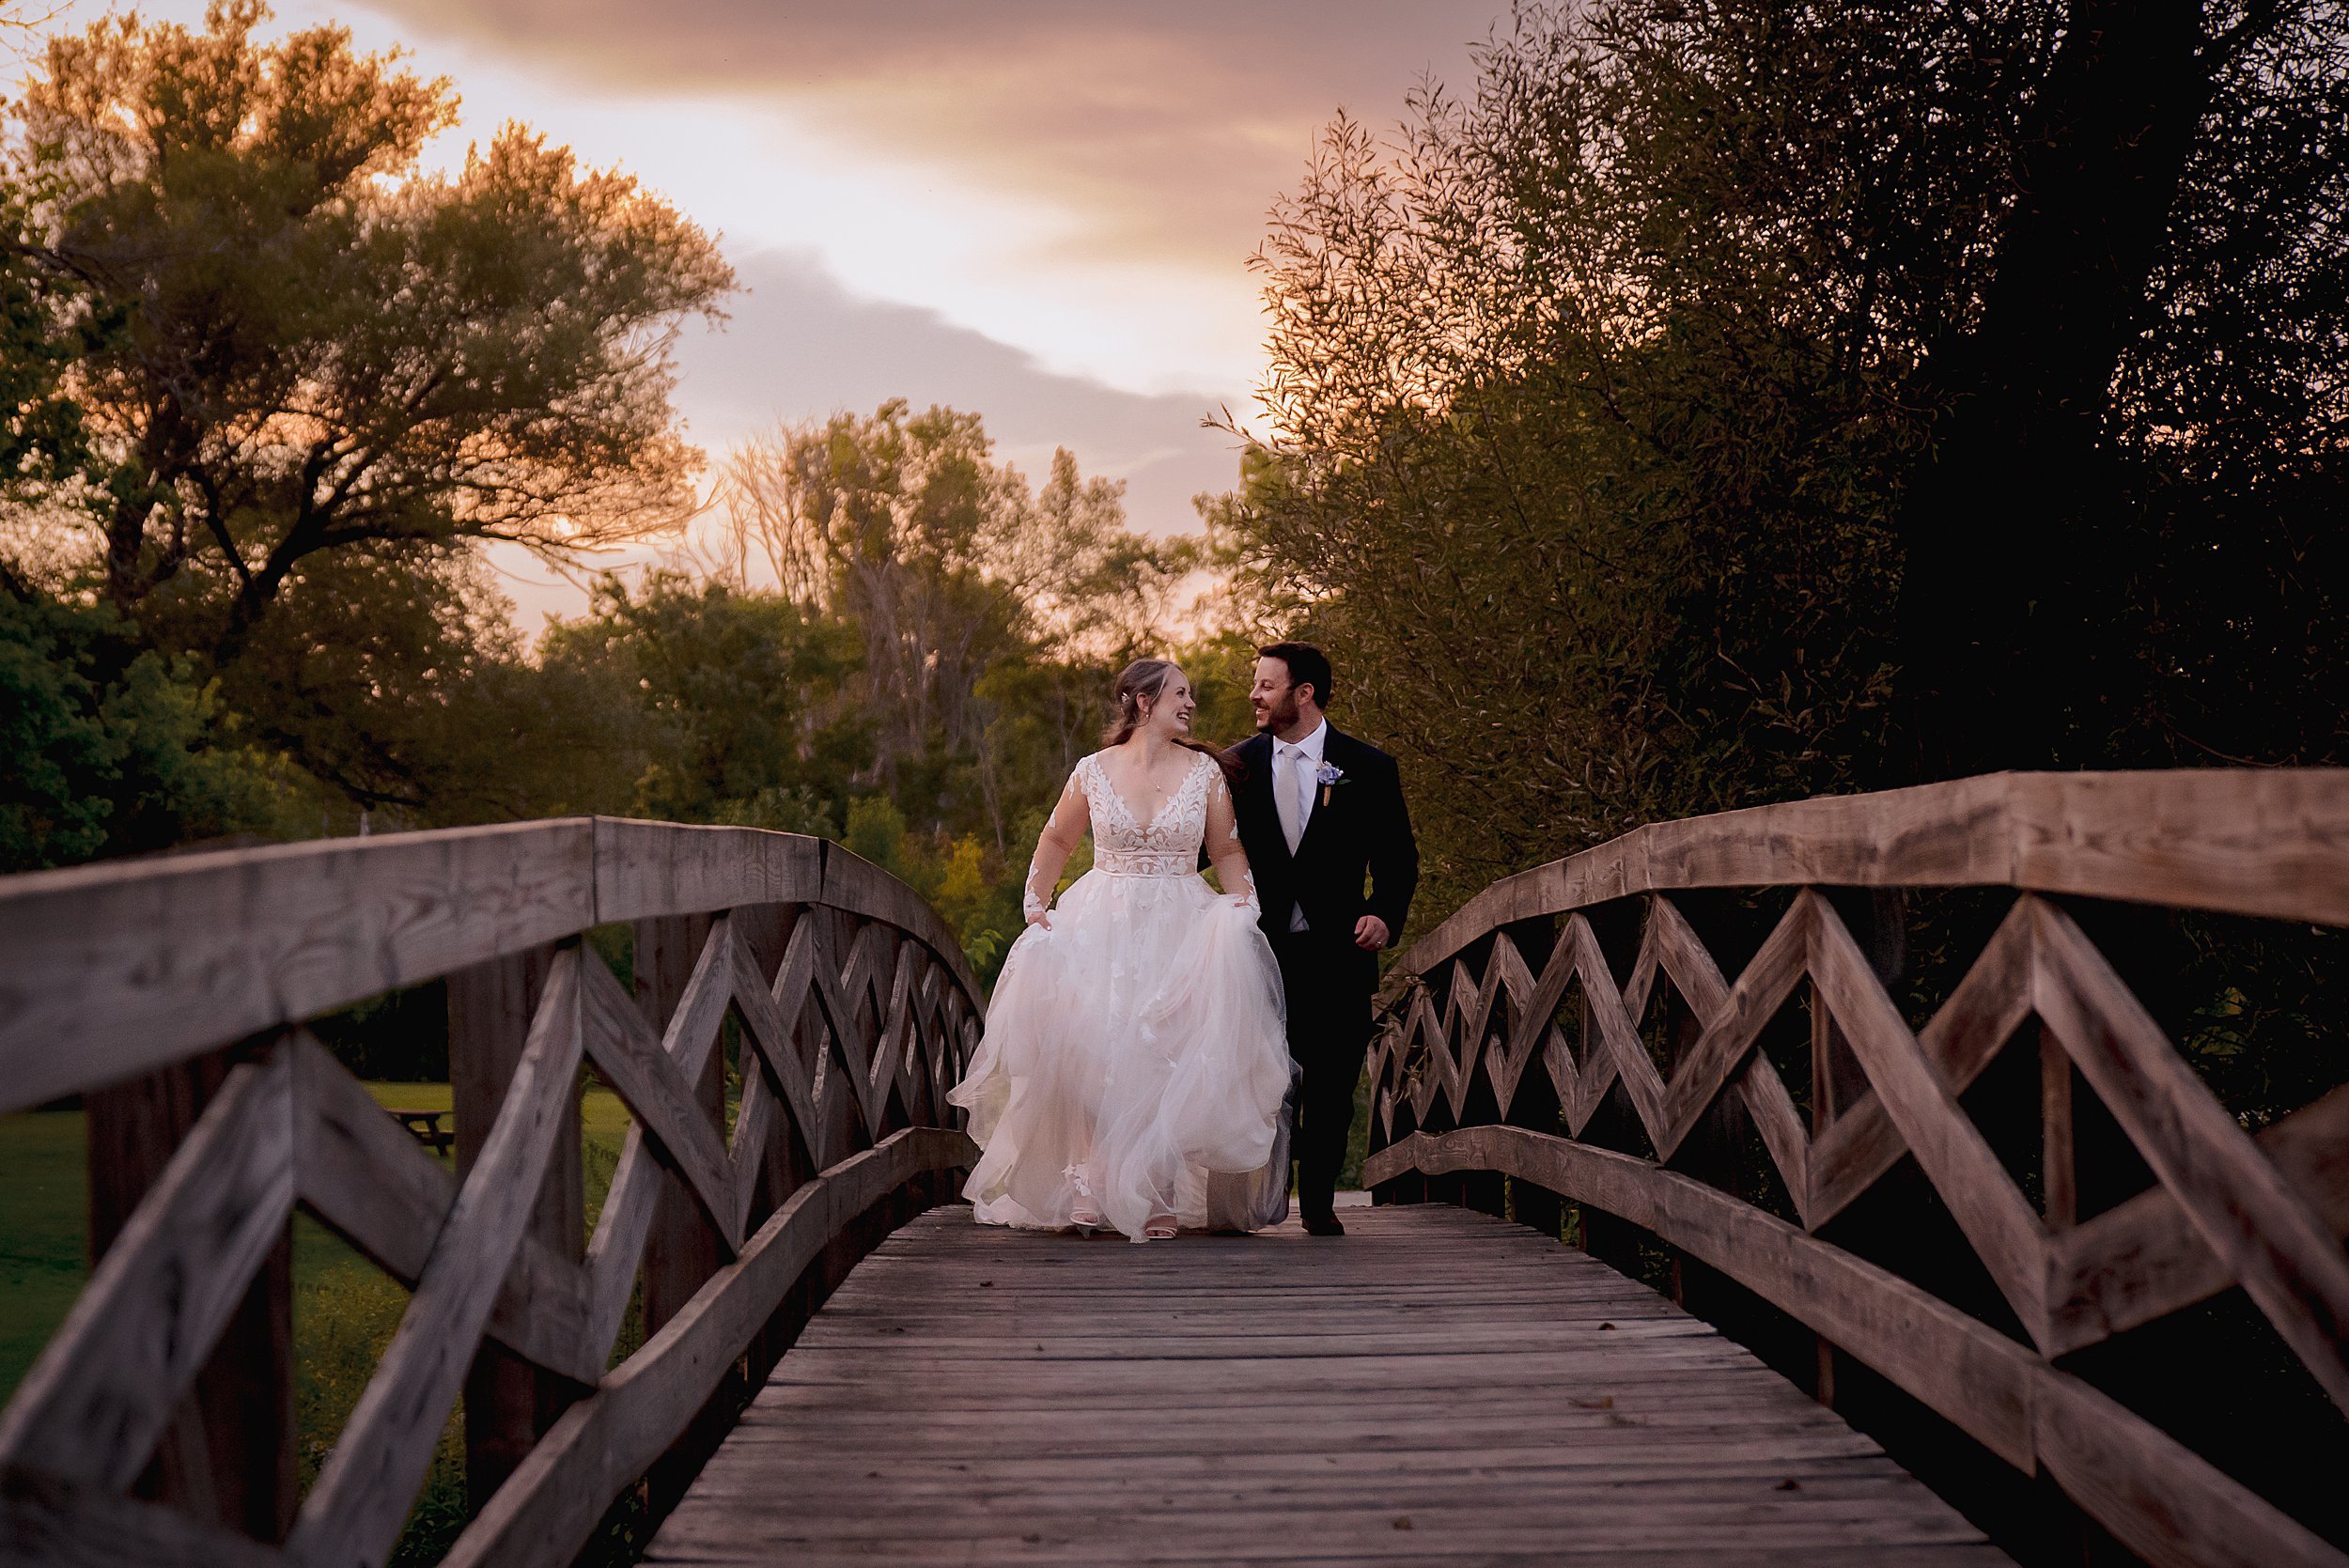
(274, 386)
(116, 748)
(307, 373)
(720, 704)
(396, 677)
(44, 1240)
(877, 832)
(991, 614)
(1620, 407)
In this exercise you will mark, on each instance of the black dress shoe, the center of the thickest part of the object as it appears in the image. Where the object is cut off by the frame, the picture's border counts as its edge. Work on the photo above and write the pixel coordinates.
(1326, 1224)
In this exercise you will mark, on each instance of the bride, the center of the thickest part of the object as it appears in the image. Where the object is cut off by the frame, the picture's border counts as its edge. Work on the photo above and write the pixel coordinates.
(1135, 1059)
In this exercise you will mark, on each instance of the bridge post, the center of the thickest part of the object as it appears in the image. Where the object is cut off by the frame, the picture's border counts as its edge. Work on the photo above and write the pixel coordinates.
(788, 1163)
(683, 1249)
(1878, 919)
(1450, 1188)
(1613, 1125)
(509, 1403)
(228, 1455)
(1533, 1104)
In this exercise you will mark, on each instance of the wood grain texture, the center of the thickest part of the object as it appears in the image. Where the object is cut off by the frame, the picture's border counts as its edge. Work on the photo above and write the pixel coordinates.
(2165, 1501)
(371, 1181)
(112, 969)
(226, 1456)
(96, 1401)
(353, 1513)
(767, 1011)
(2270, 842)
(2227, 1207)
(654, 1086)
(2143, 1259)
(979, 1396)
(1999, 1222)
(545, 1513)
(2285, 1255)
(649, 870)
(2169, 1505)
(860, 888)
(1981, 1015)
(1731, 1022)
(1971, 1374)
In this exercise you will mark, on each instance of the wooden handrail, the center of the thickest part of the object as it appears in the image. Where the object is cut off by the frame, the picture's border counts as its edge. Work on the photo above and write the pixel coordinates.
(175, 994)
(1513, 1070)
(116, 969)
(2270, 842)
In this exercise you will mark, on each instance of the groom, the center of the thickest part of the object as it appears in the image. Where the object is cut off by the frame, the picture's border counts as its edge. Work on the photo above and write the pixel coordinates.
(1319, 811)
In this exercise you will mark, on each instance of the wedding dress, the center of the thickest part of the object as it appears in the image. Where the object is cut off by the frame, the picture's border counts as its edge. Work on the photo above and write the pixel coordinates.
(1135, 1061)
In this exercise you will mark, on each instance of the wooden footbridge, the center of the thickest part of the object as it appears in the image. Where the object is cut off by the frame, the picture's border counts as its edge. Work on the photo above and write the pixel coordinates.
(1652, 1239)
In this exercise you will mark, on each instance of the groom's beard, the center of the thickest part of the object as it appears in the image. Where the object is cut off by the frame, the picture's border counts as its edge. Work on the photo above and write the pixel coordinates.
(1277, 718)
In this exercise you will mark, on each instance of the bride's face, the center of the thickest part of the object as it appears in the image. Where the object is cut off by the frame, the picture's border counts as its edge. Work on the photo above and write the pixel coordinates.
(1171, 714)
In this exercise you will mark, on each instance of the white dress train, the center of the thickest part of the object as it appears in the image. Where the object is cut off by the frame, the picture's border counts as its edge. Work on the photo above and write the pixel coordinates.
(1135, 1051)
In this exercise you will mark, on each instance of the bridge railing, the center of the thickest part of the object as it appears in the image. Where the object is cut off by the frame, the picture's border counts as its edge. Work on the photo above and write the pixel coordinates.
(173, 995)
(1976, 1236)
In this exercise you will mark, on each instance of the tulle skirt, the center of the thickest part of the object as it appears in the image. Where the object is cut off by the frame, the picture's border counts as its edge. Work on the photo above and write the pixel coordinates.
(1135, 1048)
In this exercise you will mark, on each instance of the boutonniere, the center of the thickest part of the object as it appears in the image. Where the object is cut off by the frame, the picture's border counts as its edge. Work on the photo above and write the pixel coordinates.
(1328, 776)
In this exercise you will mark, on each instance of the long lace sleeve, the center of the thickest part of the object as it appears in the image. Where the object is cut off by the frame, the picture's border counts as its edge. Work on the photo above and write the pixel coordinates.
(1070, 820)
(1224, 848)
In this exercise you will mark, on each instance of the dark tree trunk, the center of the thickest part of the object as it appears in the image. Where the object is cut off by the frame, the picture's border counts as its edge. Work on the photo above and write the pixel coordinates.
(2014, 526)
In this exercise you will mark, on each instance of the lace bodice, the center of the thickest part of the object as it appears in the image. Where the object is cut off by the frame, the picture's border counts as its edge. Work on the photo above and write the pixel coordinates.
(1167, 845)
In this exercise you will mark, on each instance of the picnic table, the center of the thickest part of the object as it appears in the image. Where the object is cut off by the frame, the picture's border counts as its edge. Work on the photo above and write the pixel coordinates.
(424, 1124)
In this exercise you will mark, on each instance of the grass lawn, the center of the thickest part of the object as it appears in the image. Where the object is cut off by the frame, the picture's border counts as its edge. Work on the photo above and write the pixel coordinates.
(344, 1309)
(44, 1223)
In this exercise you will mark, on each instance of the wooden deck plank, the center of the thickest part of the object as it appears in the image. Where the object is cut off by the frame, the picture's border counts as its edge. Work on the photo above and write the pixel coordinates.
(1439, 1386)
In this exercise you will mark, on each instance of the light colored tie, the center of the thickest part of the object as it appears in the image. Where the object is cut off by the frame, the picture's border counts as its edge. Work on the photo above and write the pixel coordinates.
(1287, 764)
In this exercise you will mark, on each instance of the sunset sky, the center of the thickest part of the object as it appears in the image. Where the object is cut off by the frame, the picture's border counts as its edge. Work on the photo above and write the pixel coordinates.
(1041, 209)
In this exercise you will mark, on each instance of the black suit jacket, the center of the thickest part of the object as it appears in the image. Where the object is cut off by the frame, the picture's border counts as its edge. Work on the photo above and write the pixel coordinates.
(1363, 834)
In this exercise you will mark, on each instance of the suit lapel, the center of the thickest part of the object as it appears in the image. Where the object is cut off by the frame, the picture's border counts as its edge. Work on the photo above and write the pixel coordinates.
(1257, 753)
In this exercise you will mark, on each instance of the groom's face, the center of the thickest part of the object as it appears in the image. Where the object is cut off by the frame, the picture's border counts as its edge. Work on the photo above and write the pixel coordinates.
(1273, 695)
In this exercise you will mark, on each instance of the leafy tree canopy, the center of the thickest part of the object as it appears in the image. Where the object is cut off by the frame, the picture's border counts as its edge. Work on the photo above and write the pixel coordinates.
(1723, 403)
(322, 350)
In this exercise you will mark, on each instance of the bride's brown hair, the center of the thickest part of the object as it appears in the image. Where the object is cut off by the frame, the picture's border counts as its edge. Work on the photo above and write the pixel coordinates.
(1146, 678)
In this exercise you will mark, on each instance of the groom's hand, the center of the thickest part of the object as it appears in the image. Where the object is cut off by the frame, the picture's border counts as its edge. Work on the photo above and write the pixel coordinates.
(1370, 933)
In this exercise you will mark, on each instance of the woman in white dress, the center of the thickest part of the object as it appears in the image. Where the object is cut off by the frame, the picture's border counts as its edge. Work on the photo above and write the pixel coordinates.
(1135, 1059)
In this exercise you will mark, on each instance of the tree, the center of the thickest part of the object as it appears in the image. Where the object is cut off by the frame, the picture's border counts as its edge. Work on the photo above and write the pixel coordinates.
(1680, 420)
(325, 351)
(990, 612)
(2135, 477)
(729, 703)
(398, 678)
(114, 748)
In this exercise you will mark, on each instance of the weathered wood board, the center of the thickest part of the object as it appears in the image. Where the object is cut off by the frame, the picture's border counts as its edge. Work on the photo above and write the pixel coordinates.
(1439, 1385)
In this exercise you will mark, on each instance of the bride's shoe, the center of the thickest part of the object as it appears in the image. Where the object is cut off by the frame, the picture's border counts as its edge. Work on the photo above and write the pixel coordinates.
(1084, 1210)
(1158, 1227)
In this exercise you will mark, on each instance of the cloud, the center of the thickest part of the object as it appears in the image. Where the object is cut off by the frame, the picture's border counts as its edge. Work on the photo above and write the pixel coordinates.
(1163, 131)
(800, 346)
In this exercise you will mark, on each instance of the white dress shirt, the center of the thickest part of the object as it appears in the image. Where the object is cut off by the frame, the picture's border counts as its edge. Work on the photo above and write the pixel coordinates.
(1294, 765)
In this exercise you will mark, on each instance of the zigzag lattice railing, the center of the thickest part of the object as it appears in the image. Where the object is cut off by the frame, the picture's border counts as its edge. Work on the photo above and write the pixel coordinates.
(1514, 1049)
(855, 1009)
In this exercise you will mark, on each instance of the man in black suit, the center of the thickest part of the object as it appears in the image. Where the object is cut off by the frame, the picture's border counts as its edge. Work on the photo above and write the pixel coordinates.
(1319, 813)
